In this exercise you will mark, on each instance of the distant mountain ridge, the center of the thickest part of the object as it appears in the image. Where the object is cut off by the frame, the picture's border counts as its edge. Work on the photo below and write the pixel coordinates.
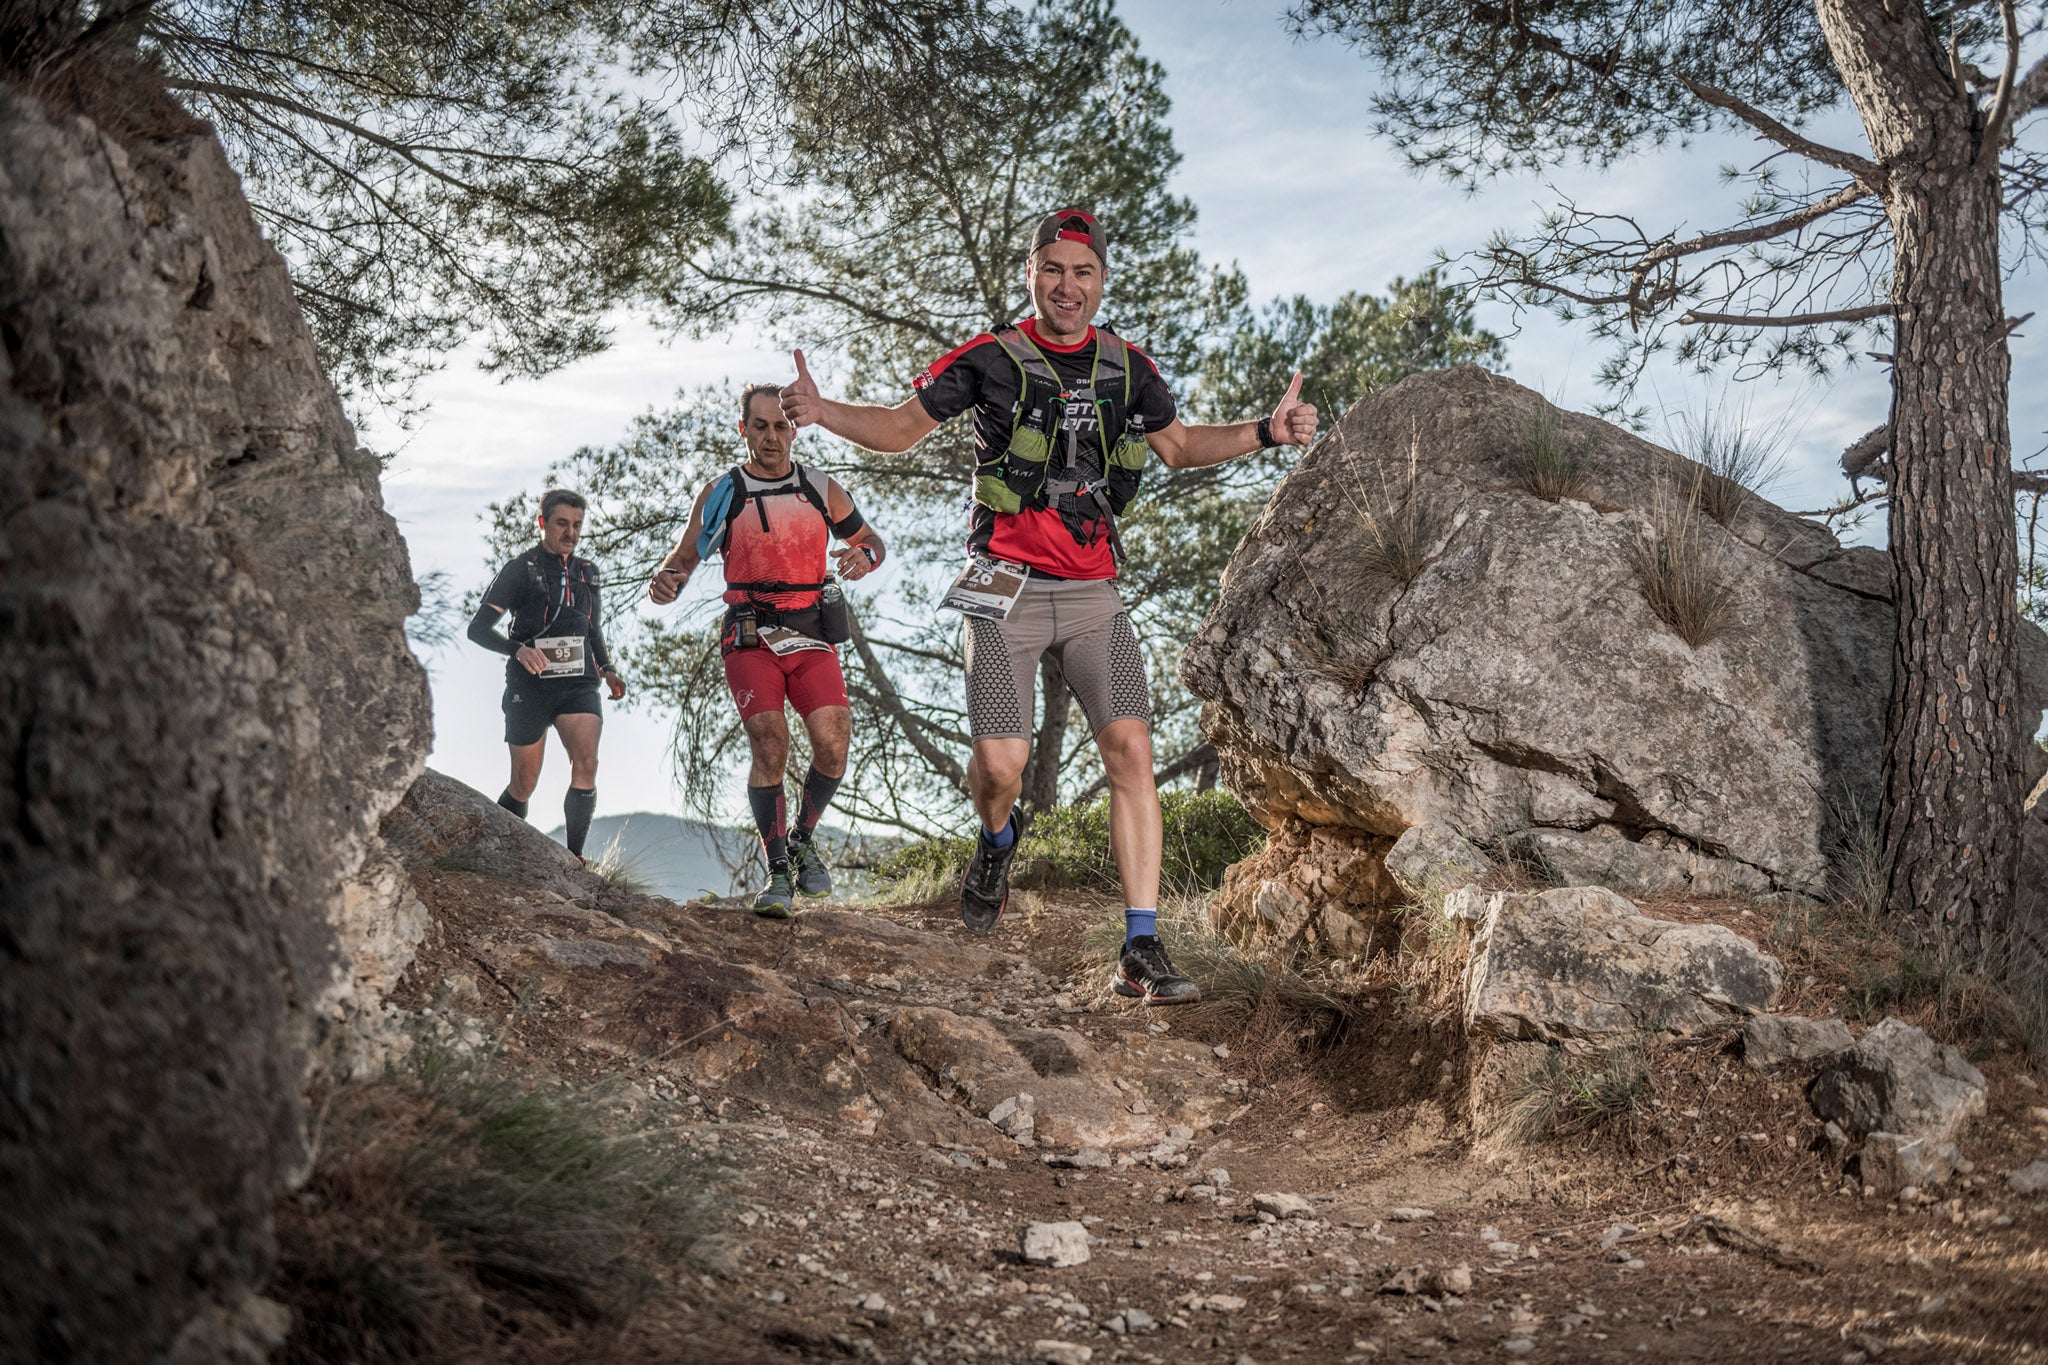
(686, 859)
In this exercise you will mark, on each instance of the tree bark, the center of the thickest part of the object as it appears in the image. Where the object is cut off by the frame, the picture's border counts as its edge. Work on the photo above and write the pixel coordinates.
(1950, 807)
(1042, 773)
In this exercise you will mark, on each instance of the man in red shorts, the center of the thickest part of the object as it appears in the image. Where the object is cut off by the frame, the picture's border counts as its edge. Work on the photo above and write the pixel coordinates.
(772, 519)
(1064, 415)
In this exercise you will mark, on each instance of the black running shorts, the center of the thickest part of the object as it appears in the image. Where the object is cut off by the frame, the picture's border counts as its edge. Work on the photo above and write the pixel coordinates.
(531, 707)
(1080, 622)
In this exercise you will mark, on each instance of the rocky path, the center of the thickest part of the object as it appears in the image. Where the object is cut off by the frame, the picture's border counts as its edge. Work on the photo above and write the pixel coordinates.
(1229, 1190)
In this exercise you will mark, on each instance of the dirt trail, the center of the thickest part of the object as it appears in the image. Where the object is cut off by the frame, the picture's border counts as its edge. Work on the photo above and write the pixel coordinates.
(841, 1067)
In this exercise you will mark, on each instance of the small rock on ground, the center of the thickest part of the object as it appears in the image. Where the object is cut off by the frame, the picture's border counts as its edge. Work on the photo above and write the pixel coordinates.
(1055, 1244)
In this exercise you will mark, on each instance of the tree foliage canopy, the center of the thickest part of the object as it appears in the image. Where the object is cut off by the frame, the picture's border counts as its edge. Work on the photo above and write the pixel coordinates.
(908, 236)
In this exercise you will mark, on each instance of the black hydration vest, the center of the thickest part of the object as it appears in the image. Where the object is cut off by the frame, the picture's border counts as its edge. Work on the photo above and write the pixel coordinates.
(712, 541)
(1042, 466)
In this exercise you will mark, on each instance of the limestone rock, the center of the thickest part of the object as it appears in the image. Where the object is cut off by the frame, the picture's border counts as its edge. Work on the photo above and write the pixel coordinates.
(1898, 1080)
(1892, 1162)
(1520, 683)
(1582, 962)
(2031, 1178)
(1771, 1040)
(1282, 1205)
(1435, 855)
(1055, 1244)
(443, 824)
(210, 704)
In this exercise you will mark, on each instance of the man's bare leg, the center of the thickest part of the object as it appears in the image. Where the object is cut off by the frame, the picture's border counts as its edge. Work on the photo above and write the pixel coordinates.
(995, 779)
(768, 739)
(1136, 833)
(579, 733)
(526, 761)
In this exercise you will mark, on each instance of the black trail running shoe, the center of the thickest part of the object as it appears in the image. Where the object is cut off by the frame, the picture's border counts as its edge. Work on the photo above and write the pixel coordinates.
(813, 878)
(777, 897)
(1143, 973)
(985, 889)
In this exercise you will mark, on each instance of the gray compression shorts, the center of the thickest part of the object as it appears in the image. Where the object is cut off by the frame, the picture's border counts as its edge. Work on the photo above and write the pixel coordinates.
(1082, 624)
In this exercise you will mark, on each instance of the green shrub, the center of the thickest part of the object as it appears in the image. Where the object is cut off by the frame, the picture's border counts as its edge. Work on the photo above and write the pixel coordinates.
(1205, 833)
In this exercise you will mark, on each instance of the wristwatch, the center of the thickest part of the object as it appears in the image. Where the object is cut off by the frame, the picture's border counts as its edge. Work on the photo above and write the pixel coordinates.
(1266, 441)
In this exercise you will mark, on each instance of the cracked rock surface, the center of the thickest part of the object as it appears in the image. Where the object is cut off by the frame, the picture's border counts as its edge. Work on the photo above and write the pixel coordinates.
(1520, 684)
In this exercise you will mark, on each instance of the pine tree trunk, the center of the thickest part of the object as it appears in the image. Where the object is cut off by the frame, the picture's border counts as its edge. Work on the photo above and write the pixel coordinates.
(1950, 806)
(1042, 773)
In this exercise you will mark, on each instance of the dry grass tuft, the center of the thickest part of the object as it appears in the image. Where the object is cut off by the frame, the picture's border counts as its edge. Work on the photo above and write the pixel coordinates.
(452, 1214)
(1738, 458)
(1568, 1096)
(619, 870)
(1550, 462)
(1402, 527)
(1676, 565)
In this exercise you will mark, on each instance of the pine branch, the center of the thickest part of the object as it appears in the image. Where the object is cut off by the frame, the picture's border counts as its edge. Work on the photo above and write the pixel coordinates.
(1868, 172)
(2001, 103)
(1863, 314)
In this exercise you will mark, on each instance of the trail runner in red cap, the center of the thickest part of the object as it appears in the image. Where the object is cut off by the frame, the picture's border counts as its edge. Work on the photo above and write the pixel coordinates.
(769, 518)
(1064, 412)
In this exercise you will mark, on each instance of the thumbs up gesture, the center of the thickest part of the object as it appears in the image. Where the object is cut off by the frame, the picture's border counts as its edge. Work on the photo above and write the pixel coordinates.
(1294, 422)
(800, 401)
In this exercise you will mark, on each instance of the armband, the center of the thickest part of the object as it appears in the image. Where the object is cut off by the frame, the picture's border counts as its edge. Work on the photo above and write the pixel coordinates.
(848, 524)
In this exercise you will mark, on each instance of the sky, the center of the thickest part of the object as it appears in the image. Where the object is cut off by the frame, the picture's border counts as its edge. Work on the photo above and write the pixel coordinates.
(1290, 181)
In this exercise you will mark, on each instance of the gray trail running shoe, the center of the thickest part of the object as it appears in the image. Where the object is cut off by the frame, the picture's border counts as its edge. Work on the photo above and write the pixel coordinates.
(813, 878)
(985, 889)
(1143, 973)
(777, 897)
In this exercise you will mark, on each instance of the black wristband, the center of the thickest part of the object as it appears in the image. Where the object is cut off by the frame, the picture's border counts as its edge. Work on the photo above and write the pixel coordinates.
(1266, 441)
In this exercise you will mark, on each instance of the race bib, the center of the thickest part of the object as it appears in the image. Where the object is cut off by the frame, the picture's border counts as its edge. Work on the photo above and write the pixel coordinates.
(987, 588)
(565, 655)
(783, 640)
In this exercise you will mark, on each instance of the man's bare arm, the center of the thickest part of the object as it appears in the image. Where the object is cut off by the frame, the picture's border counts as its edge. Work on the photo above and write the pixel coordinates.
(868, 425)
(1179, 446)
(683, 560)
(850, 560)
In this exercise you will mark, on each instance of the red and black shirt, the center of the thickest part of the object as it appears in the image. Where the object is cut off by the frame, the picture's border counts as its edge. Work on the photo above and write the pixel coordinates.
(980, 375)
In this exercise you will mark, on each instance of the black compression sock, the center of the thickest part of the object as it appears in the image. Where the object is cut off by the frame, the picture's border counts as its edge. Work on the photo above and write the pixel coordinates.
(771, 819)
(512, 803)
(818, 790)
(577, 808)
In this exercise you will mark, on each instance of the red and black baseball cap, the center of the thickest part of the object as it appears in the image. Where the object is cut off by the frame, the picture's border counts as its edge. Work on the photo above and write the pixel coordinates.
(1072, 225)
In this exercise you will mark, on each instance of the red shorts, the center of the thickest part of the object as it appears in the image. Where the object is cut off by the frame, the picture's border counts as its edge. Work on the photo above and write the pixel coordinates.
(761, 680)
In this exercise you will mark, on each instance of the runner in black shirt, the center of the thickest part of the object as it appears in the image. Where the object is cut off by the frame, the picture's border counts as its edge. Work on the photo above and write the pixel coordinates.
(555, 659)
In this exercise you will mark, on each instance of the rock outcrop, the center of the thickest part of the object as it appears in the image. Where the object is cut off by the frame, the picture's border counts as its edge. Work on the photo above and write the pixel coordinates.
(209, 704)
(1409, 638)
(1583, 963)
(1896, 1079)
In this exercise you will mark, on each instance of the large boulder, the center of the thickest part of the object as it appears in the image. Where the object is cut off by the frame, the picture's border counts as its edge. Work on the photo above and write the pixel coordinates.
(208, 705)
(1518, 691)
(1583, 963)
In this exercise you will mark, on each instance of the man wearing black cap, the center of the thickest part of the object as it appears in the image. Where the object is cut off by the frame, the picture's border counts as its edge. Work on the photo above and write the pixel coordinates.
(1064, 413)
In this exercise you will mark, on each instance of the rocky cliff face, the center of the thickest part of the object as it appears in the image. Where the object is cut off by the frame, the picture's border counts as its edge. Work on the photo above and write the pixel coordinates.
(1515, 688)
(206, 705)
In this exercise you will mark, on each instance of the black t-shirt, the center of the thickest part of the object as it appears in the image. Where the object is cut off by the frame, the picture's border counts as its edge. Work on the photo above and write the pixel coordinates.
(544, 597)
(982, 376)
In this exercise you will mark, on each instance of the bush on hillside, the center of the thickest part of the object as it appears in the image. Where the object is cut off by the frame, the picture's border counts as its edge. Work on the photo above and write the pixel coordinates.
(452, 1211)
(1069, 846)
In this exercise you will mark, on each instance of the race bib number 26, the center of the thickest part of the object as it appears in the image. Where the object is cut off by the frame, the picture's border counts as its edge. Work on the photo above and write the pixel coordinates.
(987, 588)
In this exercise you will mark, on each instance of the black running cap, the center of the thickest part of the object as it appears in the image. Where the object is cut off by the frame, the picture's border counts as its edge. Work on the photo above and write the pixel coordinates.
(1072, 225)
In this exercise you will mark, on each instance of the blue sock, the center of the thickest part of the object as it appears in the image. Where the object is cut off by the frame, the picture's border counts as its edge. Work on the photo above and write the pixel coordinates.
(1139, 923)
(1003, 837)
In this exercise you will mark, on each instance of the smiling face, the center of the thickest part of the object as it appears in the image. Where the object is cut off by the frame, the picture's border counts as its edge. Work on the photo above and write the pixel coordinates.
(767, 433)
(561, 528)
(1066, 290)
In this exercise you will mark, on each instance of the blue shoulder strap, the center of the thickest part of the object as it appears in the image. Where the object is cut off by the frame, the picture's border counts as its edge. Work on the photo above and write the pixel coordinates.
(717, 515)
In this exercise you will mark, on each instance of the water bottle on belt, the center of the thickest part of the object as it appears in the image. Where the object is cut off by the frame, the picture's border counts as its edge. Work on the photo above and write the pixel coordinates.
(835, 618)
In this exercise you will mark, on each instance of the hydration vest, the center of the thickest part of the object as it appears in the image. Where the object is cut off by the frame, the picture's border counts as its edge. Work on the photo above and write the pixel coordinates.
(730, 497)
(1042, 466)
